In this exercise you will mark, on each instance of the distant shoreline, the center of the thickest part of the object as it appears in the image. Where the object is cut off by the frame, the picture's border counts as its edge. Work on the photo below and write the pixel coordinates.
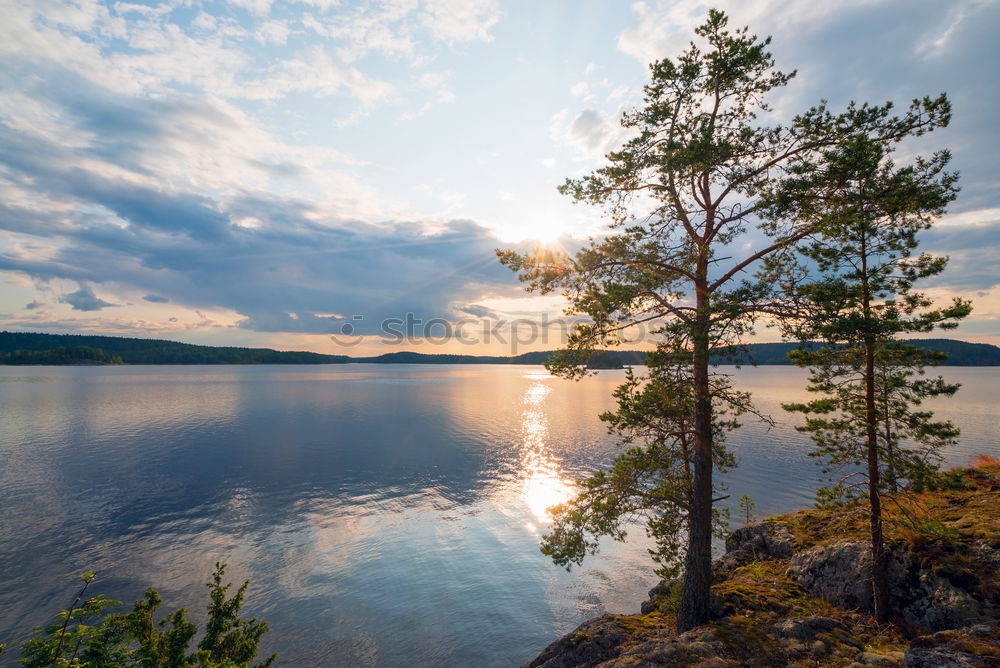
(38, 349)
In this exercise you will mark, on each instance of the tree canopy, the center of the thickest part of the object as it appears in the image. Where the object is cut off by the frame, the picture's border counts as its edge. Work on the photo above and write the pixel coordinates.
(850, 285)
(699, 196)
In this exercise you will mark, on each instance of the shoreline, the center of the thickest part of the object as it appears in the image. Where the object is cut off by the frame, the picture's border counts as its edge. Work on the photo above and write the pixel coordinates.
(793, 590)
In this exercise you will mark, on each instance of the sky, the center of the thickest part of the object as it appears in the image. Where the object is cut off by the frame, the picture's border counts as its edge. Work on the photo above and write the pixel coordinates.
(314, 175)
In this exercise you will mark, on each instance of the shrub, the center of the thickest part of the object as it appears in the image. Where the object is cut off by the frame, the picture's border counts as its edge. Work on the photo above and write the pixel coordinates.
(87, 635)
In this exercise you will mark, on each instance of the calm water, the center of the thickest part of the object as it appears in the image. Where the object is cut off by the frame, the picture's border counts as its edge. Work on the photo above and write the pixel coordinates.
(387, 515)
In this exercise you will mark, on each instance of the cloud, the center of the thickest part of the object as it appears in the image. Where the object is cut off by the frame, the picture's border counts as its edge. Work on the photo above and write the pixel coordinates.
(478, 311)
(198, 150)
(315, 71)
(218, 51)
(973, 250)
(864, 50)
(34, 304)
(156, 299)
(460, 20)
(398, 29)
(302, 257)
(590, 134)
(436, 84)
(663, 28)
(84, 299)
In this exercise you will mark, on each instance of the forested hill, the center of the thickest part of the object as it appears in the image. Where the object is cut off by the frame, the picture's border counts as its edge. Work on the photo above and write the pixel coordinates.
(24, 346)
(61, 356)
(960, 353)
(156, 351)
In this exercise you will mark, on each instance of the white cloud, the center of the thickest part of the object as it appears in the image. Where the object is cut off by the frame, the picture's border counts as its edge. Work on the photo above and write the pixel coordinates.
(397, 28)
(664, 28)
(314, 71)
(590, 134)
(273, 32)
(618, 93)
(460, 20)
(433, 79)
(255, 7)
(977, 217)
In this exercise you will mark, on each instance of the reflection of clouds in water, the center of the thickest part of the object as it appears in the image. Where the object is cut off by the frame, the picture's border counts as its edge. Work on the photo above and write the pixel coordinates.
(544, 485)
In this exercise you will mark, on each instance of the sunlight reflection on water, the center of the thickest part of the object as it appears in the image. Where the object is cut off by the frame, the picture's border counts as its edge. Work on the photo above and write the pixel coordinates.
(544, 485)
(387, 515)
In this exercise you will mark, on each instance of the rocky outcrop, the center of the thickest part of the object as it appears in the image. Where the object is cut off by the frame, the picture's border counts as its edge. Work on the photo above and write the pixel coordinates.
(841, 574)
(755, 542)
(594, 642)
(666, 594)
(974, 647)
(660, 595)
(805, 628)
(795, 591)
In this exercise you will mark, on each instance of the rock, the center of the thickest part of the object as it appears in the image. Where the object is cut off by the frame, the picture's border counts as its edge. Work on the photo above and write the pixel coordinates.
(714, 662)
(716, 606)
(755, 542)
(841, 574)
(654, 653)
(870, 658)
(982, 630)
(977, 646)
(804, 628)
(658, 595)
(931, 602)
(764, 540)
(731, 561)
(933, 657)
(663, 587)
(595, 641)
(819, 647)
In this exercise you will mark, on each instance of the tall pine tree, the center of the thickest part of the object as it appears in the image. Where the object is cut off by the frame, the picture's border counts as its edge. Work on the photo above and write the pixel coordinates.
(852, 289)
(701, 172)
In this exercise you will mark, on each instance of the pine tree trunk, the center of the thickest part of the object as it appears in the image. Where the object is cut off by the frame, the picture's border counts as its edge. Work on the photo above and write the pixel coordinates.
(694, 604)
(880, 585)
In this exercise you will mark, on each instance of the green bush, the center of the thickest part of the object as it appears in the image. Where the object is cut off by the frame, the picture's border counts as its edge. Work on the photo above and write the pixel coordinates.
(88, 635)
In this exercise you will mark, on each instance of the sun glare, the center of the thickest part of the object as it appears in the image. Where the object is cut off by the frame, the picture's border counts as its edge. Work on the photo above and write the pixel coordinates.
(543, 483)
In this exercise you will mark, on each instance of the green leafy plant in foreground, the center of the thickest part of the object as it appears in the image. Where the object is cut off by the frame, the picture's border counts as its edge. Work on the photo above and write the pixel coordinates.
(88, 635)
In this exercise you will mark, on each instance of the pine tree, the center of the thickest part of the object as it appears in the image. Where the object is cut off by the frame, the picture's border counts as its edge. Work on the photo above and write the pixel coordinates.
(701, 172)
(853, 291)
(651, 480)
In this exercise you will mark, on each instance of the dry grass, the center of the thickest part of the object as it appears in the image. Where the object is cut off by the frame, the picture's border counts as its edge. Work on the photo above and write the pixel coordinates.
(947, 528)
(983, 461)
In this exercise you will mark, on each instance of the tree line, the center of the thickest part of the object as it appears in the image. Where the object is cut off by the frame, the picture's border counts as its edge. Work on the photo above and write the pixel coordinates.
(722, 220)
(61, 355)
(152, 351)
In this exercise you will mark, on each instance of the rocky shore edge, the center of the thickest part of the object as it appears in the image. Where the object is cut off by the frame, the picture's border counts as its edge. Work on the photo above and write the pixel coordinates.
(795, 590)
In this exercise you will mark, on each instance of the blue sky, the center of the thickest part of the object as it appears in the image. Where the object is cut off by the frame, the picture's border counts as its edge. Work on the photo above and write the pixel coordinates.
(259, 172)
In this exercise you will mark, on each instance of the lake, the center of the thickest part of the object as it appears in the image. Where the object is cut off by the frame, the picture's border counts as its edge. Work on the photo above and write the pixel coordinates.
(386, 515)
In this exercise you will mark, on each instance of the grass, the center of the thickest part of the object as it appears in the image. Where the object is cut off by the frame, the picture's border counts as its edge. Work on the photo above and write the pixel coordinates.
(951, 528)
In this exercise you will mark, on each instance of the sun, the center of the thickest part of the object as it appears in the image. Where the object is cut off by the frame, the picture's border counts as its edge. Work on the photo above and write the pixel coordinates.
(550, 231)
